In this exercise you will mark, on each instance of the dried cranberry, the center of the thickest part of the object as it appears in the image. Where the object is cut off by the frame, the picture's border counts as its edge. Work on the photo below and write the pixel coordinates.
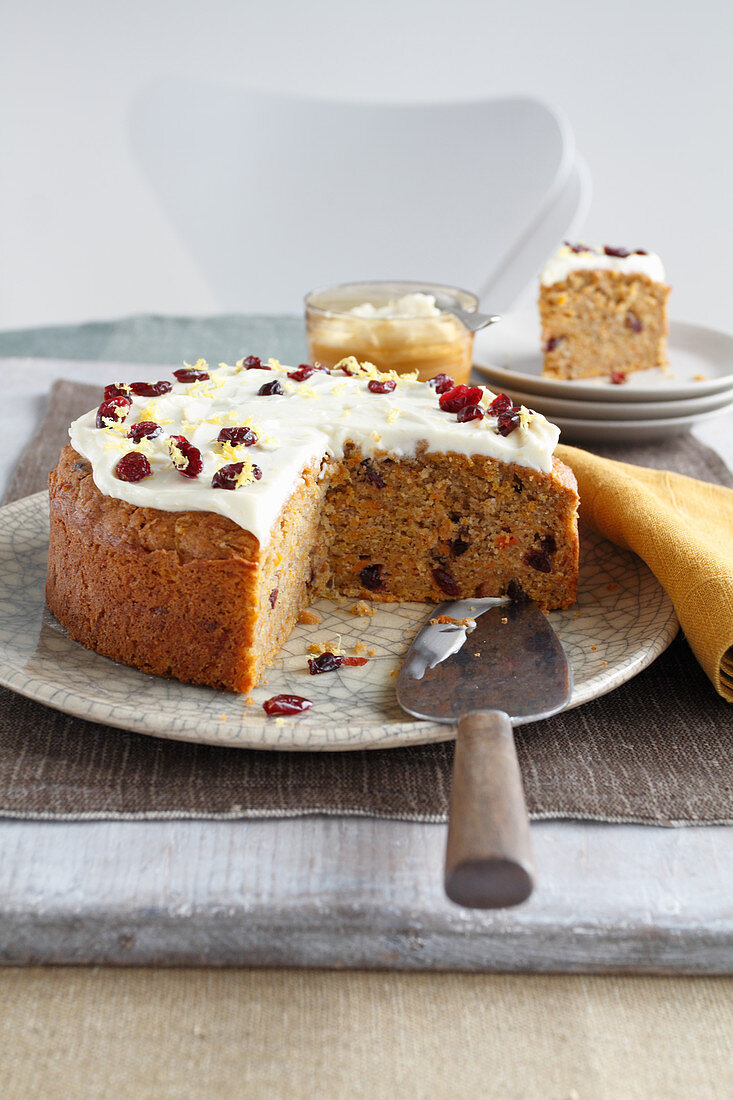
(516, 593)
(238, 437)
(381, 387)
(186, 458)
(144, 429)
(508, 421)
(500, 403)
(304, 371)
(552, 343)
(273, 597)
(622, 253)
(372, 475)
(252, 362)
(226, 476)
(191, 374)
(548, 544)
(441, 383)
(633, 322)
(133, 466)
(460, 397)
(446, 582)
(327, 662)
(150, 389)
(270, 389)
(471, 412)
(538, 559)
(640, 252)
(458, 546)
(355, 662)
(113, 390)
(577, 247)
(286, 704)
(617, 377)
(371, 577)
(115, 409)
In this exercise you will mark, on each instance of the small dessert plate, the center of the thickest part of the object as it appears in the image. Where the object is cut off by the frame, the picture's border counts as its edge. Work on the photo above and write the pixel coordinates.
(622, 621)
(630, 431)
(553, 407)
(700, 364)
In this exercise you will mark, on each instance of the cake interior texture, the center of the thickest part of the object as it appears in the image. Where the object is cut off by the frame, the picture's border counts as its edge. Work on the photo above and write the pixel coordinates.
(598, 322)
(192, 595)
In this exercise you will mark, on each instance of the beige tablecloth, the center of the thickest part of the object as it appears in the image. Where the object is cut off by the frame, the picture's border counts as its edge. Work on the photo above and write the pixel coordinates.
(69, 1034)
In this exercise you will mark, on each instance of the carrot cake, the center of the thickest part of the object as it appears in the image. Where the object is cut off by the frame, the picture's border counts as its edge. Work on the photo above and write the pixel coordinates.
(194, 518)
(603, 312)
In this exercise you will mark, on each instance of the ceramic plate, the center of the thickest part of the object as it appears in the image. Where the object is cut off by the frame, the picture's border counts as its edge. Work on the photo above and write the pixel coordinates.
(622, 621)
(630, 410)
(700, 363)
(629, 431)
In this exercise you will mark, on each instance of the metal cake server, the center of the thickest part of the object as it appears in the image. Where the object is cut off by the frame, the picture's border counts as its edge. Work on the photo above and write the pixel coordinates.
(509, 670)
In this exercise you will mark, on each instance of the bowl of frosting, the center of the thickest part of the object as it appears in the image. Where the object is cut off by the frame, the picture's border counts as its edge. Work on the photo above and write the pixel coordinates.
(398, 326)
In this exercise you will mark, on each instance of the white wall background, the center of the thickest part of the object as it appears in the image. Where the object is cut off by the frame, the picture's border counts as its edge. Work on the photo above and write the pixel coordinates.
(646, 85)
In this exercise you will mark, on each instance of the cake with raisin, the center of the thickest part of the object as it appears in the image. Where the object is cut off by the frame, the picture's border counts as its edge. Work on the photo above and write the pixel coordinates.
(603, 312)
(194, 518)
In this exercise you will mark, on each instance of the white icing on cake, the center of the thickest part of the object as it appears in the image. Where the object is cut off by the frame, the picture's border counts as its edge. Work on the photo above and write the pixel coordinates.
(565, 261)
(409, 305)
(312, 419)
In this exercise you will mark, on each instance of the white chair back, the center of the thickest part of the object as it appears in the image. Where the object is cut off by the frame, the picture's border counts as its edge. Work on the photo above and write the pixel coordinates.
(275, 195)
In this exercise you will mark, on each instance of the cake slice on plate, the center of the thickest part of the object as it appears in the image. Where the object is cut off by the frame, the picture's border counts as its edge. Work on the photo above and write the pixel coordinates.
(603, 312)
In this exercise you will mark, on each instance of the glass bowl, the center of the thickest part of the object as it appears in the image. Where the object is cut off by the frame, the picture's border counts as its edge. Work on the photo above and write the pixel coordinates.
(429, 342)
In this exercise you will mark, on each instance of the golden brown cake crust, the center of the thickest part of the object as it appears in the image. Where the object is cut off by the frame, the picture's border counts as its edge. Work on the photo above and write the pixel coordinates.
(596, 323)
(192, 595)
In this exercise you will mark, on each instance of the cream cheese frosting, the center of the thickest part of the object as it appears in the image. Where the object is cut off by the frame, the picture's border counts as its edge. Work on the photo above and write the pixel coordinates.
(409, 305)
(579, 258)
(311, 420)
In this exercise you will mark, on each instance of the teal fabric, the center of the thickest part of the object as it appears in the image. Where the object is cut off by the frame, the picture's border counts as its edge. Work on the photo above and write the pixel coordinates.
(150, 339)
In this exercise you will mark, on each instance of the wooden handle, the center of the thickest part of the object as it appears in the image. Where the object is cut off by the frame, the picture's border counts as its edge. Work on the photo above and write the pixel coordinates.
(488, 862)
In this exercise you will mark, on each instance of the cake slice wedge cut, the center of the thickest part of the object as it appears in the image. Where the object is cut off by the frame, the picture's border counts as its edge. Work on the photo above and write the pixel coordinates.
(265, 488)
(603, 312)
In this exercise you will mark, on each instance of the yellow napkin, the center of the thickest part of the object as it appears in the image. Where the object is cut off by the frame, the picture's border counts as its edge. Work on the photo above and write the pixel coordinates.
(683, 530)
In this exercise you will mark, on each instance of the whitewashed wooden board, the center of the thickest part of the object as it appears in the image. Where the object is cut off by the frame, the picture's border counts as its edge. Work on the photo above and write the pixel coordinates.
(336, 892)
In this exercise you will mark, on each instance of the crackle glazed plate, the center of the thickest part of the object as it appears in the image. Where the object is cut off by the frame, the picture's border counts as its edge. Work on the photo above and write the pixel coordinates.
(622, 621)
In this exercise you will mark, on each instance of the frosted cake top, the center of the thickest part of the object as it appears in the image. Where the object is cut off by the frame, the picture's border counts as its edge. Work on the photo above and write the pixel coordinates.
(235, 439)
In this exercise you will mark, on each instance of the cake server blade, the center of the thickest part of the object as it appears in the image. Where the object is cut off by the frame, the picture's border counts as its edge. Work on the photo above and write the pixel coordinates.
(508, 670)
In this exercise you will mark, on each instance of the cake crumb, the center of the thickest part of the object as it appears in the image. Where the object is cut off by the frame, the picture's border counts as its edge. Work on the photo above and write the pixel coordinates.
(249, 701)
(371, 652)
(359, 648)
(310, 618)
(223, 718)
(594, 648)
(505, 619)
(699, 378)
(394, 672)
(613, 587)
(469, 623)
(362, 609)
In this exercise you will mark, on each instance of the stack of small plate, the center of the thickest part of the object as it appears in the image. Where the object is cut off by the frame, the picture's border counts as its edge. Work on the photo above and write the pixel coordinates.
(649, 405)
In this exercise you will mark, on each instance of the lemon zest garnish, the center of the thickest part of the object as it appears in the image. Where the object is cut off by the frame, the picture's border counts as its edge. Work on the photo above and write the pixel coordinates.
(369, 371)
(392, 415)
(273, 364)
(525, 417)
(229, 452)
(246, 477)
(177, 456)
